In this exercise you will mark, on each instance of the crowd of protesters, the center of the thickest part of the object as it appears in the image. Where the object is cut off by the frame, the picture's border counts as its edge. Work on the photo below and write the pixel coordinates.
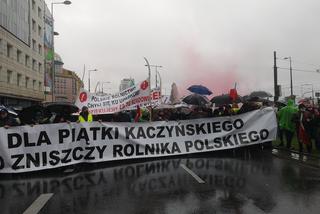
(138, 115)
(302, 122)
(295, 122)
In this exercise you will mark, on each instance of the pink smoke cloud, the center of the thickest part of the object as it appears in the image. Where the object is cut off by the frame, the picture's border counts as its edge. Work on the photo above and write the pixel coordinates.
(219, 74)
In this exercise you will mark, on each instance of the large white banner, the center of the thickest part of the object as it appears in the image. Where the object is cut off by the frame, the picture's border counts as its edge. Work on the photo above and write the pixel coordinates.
(26, 148)
(128, 99)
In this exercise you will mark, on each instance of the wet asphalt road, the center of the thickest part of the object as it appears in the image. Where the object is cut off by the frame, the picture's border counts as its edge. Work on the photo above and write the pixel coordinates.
(241, 182)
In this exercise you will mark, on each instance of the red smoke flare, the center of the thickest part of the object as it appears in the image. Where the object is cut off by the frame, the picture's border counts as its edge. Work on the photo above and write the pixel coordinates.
(219, 75)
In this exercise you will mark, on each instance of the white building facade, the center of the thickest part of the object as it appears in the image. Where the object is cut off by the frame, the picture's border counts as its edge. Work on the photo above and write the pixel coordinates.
(126, 83)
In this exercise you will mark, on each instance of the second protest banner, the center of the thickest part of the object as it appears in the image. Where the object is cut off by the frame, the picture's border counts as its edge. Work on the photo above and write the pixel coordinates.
(128, 99)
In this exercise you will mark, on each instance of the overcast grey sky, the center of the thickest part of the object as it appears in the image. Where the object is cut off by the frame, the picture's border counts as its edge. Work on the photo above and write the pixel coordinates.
(210, 42)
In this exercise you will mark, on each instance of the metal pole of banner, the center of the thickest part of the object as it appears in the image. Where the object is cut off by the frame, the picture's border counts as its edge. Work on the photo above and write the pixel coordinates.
(160, 86)
(149, 81)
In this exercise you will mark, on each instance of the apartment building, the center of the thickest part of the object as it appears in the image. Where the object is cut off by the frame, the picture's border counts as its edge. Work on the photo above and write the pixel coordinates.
(67, 86)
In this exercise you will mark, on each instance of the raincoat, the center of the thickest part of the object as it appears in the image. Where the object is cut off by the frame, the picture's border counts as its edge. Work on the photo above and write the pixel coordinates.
(286, 116)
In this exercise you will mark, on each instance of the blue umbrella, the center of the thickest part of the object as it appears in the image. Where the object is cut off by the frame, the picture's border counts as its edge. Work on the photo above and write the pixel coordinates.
(200, 89)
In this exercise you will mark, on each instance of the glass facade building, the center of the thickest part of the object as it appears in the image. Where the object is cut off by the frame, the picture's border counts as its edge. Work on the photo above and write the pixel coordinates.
(14, 17)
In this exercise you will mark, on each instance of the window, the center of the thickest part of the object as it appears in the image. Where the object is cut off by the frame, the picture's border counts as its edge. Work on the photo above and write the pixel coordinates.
(9, 76)
(19, 53)
(39, 67)
(27, 82)
(19, 76)
(39, 13)
(39, 31)
(9, 50)
(26, 60)
(74, 92)
(40, 86)
(33, 25)
(33, 5)
(34, 64)
(39, 49)
(34, 84)
(34, 43)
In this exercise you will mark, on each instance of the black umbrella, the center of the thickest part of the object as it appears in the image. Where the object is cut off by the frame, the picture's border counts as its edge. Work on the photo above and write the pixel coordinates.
(61, 108)
(10, 111)
(33, 113)
(260, 94)
(224, 99)
(195, 99)
(265, 101)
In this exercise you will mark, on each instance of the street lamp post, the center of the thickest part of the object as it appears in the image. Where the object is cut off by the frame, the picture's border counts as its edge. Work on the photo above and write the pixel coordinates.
(157, 72)
(53, 34)
(291, 83)
(89, 71)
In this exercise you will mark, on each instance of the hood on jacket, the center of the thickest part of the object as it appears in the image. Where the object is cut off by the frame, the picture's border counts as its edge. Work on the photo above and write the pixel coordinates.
(290, 103)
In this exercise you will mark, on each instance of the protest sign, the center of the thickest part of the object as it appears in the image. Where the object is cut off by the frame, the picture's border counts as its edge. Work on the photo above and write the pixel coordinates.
(128, 99)
(26, 148)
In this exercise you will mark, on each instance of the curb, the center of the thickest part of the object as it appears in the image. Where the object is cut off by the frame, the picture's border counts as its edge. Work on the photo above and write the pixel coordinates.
(295, 151)
(299, 160)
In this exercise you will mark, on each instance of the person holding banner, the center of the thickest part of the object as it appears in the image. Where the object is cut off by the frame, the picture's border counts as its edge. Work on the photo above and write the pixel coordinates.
(7, 120)
(85, 115)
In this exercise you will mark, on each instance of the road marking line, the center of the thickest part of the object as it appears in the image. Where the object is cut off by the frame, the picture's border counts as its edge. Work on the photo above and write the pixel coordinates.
(37, 205)
(200, 181)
